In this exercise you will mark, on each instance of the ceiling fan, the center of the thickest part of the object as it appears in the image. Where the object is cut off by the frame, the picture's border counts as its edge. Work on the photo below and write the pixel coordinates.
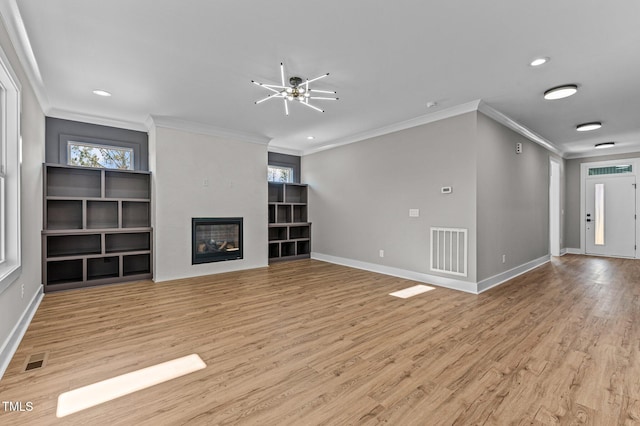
(297, 90)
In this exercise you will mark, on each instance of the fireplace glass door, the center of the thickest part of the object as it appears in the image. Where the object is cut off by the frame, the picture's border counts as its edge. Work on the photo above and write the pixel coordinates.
(216, 239)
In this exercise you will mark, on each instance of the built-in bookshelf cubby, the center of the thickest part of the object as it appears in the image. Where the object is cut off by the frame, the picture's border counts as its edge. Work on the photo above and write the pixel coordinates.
(97, 226)
(102, 214)
(64, 214)
(289, 228)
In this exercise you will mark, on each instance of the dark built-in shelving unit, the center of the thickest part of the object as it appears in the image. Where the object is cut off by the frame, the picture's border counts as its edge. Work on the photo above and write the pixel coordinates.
(289, 228)
(97, 226)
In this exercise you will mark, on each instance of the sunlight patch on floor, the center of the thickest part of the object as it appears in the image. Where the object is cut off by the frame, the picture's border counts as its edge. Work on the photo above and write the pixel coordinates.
(411, 291)
(107, 390)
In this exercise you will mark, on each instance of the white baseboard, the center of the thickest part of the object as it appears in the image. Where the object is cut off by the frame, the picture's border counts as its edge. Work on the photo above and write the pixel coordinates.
(498, 279)
(563, 251)
(452, 283)
(574, 251)
(466, 286)
(10, 346)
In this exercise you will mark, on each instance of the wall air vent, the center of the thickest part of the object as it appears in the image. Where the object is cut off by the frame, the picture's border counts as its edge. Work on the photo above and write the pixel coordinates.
(449, 248)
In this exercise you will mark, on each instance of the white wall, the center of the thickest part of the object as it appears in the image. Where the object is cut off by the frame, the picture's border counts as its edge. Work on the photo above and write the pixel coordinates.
(14, 304)
(236, 172)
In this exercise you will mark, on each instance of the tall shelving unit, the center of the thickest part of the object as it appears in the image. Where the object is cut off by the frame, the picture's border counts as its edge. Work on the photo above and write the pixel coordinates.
(97, 226)
(289, 228)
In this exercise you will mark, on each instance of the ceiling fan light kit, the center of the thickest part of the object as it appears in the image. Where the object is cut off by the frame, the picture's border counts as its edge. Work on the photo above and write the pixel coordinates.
(297, 90)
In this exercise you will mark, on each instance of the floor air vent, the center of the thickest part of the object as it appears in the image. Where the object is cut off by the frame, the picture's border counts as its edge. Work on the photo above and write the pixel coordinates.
(36, 361)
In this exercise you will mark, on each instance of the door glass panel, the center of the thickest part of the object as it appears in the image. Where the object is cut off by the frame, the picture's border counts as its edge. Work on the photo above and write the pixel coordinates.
(599, 214)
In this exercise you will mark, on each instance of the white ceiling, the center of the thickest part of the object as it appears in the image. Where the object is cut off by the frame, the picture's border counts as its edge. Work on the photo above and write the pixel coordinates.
(192, 62)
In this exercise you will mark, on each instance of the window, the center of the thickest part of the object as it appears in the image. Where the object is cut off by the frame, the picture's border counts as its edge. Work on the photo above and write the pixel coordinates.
(93, 155)
(599, 214)
(280, 174)
(10, 151)
(610, 170)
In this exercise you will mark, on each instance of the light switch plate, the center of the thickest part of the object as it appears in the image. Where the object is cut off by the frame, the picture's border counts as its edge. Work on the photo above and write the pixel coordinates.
(414, 212)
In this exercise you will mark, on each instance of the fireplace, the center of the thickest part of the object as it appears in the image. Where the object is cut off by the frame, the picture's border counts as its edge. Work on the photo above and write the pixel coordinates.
(216, 239)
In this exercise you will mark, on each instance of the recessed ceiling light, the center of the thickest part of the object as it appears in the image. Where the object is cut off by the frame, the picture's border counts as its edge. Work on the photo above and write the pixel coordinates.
(605, 145)
(560, 92)
(101, 93)
(586, 127)
(310, 138)
(539, 61)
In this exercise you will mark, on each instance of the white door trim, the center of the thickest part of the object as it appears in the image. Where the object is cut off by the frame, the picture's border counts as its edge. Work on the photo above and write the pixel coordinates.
(584, 170)
(555, 245)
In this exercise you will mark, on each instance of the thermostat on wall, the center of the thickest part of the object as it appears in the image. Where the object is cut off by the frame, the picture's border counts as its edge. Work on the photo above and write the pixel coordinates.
(446, 190)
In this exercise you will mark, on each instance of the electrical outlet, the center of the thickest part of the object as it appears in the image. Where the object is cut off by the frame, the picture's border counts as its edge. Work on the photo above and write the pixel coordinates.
(381, 253)
(205, 182)
(504, 258)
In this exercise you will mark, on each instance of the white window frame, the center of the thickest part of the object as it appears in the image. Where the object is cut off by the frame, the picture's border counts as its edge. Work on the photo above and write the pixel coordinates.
(10, 170)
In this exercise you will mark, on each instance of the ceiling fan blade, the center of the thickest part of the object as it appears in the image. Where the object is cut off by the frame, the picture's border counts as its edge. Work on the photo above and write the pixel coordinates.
(276, 86)
(282, 73)
(323, 98)
(311, 106)
(317, 78)
(286, 107)
(266, 86)
(277, 95)
(322, 91)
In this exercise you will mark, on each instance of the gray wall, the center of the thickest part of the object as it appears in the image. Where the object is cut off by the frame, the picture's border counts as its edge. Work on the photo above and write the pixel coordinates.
(58, 132)
(572, 217)
(513, 199)
(13, 301)
(360, 194)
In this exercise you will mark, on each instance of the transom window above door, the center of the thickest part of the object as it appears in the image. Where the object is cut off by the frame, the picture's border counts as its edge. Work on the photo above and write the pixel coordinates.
(610, 170)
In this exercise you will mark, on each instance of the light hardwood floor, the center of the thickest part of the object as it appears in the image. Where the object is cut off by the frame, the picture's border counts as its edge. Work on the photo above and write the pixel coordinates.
(310, 343)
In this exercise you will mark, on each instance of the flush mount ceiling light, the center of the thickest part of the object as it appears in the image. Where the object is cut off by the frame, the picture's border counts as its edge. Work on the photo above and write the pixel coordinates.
(604, 145)
(101, 93)
(560, 92)
(297, 90)
(587, 127)
(311, 137)
(539, 61)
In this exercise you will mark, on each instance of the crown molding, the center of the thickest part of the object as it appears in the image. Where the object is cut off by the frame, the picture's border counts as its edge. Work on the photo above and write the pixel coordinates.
(402, 125)
(287, 151)
(95, 119)
(602, 153)
(10, 15)
(204, 129)
(496, 115)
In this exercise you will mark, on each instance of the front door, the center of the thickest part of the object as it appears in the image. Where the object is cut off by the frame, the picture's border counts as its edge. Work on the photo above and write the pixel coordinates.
(611, 216)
